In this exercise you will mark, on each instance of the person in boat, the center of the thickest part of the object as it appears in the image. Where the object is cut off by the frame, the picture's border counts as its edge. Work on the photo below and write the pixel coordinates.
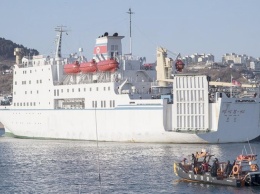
(195, 167)
(229, 168)
(183, 162)
(214, 168)
(204, 166)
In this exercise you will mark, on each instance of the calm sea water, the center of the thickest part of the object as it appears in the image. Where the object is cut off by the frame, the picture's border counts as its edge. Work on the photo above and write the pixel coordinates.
(59, 166)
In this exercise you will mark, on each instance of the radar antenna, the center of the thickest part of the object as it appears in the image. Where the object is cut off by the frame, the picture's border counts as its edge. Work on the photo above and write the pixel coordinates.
(130, 14)
(60, 30)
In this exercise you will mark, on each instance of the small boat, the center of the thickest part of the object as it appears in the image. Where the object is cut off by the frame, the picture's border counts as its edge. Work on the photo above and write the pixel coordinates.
(107, 65)
(88, 67)
(72, 68)
(243, 172)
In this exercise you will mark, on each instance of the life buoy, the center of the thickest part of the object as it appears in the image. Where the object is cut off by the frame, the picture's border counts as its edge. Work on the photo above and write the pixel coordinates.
(254, 167)
(236, 169)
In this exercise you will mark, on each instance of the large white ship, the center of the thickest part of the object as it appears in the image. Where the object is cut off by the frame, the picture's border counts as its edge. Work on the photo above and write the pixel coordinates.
(117, 97)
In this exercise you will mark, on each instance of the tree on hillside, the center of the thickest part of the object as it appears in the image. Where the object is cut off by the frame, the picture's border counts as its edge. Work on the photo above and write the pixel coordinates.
(7, 49)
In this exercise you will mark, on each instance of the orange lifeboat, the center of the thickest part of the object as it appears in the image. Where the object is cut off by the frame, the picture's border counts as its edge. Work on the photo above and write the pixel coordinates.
(88, 67)
(107, 65)
(72, 68)
(179, 65)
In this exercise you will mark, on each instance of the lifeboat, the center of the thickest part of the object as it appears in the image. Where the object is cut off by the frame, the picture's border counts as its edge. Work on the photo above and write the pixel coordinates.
(72, 68)
(88, 67)
(107, 65)
(179, 65)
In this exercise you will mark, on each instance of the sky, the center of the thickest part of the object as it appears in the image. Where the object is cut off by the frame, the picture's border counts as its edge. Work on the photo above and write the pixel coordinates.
(181, 26)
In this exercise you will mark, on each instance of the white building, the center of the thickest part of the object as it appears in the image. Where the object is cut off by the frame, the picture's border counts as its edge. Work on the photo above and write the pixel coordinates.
(198, 58)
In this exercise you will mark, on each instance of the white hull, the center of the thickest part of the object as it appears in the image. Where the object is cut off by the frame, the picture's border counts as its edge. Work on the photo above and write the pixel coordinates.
(124, 125)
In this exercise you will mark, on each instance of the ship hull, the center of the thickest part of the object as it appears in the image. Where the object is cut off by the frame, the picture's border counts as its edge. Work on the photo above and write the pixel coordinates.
(119, 125)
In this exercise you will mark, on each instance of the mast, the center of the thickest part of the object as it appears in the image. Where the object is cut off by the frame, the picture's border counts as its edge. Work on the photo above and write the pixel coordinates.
(130, 14)
(59, 29)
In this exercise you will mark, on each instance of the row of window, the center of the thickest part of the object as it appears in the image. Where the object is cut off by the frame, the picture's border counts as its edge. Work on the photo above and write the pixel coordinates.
(25, 104)
(103, 104)
(57, 92)
(24, 72)
(24, 82)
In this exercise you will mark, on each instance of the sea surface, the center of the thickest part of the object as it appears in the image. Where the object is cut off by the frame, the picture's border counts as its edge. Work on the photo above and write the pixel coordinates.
(63, 166)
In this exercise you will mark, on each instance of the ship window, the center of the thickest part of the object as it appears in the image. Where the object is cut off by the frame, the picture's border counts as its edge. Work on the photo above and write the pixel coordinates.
(14, 104)
(104, 88)
(97, 88)
(112, 54)
(30, 82)
(37, 92)
(30, 103)
(21, 104)
(110, 103)
(112, 47)
(113, 103)
(79, 89)
(101, 104)
(31, 92)
(54, 92)
(14, 93)
(58, 93)
(108, 88)
(92, 104)
(72, 89)
(96, 104)
(30, 71)
(90, 89)
(15, 83)
(68, 90)
(37, 81)
(104, 104)
(25, 92)
(84, 89)
(15, 72)
(24, 104)
(27, 103)
(34, 104)
(61, 90)
(40, 81)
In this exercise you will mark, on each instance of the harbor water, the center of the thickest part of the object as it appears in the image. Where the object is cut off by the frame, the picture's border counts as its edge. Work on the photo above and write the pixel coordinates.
(64, 166)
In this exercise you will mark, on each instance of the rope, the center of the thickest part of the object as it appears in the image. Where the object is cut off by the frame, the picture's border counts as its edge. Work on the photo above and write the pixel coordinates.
(99, 176)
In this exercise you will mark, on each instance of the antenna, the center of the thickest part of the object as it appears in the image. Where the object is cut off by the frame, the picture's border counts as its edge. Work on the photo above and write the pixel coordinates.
(59, 29)
(250, 147)
(130, 14)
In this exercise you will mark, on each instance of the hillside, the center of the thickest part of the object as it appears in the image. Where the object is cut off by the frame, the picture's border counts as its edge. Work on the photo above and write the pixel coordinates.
(7, 49)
